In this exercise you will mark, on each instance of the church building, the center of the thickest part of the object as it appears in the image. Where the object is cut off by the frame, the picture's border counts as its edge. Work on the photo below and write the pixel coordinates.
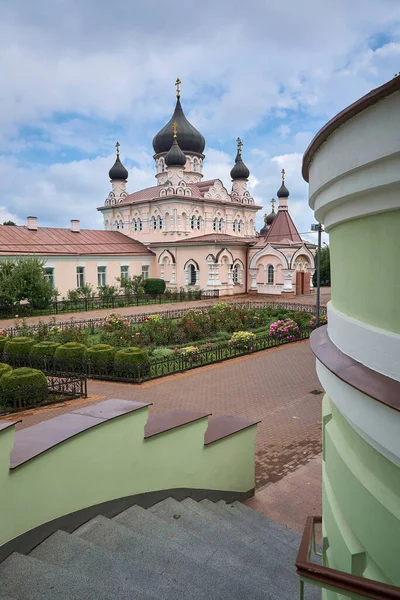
(194, 234)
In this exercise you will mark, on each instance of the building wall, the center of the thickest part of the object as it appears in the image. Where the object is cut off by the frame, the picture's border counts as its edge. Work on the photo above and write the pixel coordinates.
(65, 267)
(355, 192)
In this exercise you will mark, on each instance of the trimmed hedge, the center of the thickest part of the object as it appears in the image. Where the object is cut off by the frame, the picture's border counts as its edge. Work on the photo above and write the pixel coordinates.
(4, 369)
(46, 349)
(19, 346)
(3, 340)
(154, 286)
(160, 353)
(100, 353)
(32, 381)
(131, 357)
(71, 350)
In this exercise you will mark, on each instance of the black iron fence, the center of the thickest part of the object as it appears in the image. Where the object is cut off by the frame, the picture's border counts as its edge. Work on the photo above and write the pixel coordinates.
(177, 313)
(112, 302)
(60, 387)
(152, 369)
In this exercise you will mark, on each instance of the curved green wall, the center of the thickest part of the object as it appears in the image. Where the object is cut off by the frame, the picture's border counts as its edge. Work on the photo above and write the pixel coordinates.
(361, 504)
(365, 269)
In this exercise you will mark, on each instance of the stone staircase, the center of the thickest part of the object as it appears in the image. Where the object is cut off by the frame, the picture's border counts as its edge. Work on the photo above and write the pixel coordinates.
(182, 550)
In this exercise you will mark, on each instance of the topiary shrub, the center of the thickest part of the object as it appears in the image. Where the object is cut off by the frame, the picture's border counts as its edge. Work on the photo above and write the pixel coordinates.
(46, 349)
(69, 356)
(19, 346)
(3, 340)
(154, 286)
(4, 369)
(101, 357)
(131, 361)
(32, 383)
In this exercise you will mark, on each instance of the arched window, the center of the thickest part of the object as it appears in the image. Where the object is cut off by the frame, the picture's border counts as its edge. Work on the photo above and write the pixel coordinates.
(215, 224)
(159, 222)
(220, 225)
(270, 274)
(234, 225)
(195, 164)
(198, 222)
(192, 275)
(153, 223)
(236, 274)
(162, 165)
(193, 222)
(140, 224)
(240, 226)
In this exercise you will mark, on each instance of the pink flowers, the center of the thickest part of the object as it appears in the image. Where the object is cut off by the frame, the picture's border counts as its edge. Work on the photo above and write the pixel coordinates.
(284, 329)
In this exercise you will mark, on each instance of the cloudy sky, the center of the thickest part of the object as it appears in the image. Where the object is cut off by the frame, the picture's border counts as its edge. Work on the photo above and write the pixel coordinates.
(77, 75)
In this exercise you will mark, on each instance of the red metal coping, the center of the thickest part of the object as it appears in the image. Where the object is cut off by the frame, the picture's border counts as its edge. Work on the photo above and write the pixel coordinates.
(171, 419)
(36, 440)
(355, 584)
(371, 383)
(348, 113)
(222, 427)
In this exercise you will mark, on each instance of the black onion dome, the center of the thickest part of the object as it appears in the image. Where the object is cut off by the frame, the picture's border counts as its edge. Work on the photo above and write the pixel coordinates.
(175, 156)
(190, 140)
(283, 192)
(271, 217)
(264, 231)
(239, 171)
(118, 170)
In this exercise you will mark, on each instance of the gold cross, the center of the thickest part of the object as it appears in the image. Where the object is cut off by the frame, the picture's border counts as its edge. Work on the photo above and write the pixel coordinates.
(273, 204)
(239, 145)
(178, 90)
(283, 175)
(174, 128)
(117, 145)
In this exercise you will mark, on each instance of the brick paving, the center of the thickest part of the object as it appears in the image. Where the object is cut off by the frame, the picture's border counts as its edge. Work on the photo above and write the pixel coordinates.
(155, 308)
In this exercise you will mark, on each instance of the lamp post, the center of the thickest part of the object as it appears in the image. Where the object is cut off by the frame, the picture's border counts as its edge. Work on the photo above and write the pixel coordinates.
(318, 227)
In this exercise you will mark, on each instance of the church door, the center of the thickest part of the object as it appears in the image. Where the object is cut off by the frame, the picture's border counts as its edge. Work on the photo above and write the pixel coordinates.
(306, 282)
(299, 282)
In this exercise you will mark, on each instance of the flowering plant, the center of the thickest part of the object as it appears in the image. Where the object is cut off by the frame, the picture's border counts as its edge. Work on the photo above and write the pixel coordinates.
(285, 329)
(115, 322)
(242, 336)
(323, 319)
(154, 318)
(3, 332)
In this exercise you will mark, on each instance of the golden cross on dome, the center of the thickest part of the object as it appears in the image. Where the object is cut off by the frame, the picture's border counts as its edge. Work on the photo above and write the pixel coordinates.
(239, 145)
(178, 89)
(174, 128)
(283, 175)
(117, 145)
(273, 204)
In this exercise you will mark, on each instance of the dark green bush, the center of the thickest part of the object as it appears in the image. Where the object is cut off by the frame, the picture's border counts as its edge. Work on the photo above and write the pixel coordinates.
(3, 340)
(30, 380)
(100, 353)
(19, 346)
(70, 350)
(133, 361)
(46, 349)
(154, 286)
(4, 369)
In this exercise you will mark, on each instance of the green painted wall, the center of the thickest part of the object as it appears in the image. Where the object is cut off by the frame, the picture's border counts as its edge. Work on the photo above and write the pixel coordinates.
(361, 504)
(365, 269)
(113, 460)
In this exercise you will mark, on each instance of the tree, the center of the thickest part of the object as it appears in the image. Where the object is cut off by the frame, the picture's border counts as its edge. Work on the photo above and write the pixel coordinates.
(24, 279)
(131, 286)
(325, 267)
(9, 223)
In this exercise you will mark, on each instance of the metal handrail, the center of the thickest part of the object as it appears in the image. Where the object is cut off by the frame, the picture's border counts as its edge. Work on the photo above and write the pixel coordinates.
(332, 578)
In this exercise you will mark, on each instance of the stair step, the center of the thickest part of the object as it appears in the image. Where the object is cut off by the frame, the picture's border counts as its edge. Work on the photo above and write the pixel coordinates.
(197, 579)
(228, 569)
(83, 557)
(274, 567)
(27, 578)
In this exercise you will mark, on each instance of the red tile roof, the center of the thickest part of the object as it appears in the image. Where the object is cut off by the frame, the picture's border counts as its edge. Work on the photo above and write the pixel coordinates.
(282, 229)
(58, 241)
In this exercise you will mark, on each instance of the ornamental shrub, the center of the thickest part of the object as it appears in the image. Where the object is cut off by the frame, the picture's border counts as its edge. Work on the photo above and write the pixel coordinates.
(154, 286)
(285, 329)
(160, 353)
(132, 361)
(19, 346)
(100, 353)
(3, 340)
(31, 381)
(71, 351)
(46, 349)
(323, 319)
(4, 369)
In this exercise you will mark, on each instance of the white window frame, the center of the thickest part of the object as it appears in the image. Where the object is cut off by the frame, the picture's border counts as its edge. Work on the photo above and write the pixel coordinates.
(145, 272)
(124, 274)
(49, 275)
(101, 276)
(80, 276)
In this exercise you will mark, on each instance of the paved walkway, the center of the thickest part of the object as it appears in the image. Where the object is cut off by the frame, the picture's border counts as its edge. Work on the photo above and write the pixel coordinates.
(155, 308)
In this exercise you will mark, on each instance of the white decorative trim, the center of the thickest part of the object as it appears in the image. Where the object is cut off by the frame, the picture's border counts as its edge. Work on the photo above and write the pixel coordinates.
(375, 348)
(376, 423)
